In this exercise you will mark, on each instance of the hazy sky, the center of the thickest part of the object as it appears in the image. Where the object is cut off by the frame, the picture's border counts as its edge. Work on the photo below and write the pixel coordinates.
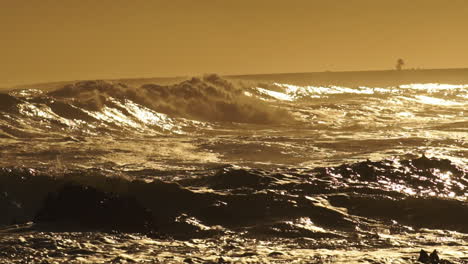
(45, 40)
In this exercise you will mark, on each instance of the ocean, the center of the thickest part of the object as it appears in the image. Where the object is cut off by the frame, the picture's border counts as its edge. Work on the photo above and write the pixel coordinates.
(357, 167)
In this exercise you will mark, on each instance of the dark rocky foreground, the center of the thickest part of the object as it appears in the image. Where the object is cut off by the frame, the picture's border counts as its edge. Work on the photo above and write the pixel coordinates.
(322, 215)
(337, 199)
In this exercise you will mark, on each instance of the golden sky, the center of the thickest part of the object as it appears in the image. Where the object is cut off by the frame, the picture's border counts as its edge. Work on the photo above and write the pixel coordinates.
(53, 40)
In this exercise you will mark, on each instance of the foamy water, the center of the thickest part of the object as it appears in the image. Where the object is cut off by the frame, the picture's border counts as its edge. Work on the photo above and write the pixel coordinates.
(233, 171)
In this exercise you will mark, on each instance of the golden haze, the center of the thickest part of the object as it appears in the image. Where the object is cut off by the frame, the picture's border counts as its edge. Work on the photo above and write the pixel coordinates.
(51, 40)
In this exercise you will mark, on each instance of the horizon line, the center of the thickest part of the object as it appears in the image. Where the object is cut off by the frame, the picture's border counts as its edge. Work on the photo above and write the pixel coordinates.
(18, 86)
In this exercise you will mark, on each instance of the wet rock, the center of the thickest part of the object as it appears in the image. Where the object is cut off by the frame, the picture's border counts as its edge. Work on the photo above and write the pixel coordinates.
(434, 257)
(10, 209)
(366, 171)
(423, 256)
(415, 211)
(239, 178)
(425, 163)
(86, 207)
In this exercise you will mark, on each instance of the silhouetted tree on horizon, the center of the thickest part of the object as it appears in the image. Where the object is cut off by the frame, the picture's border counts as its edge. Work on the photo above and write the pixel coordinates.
(399, 65)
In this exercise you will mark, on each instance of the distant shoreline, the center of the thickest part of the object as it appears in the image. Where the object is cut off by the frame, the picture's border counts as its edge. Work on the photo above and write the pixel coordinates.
(366, 78)
(324, 78)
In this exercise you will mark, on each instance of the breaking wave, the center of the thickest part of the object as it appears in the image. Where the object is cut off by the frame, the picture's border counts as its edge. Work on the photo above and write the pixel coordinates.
(95, 107)
(104, 107)
(208, 99)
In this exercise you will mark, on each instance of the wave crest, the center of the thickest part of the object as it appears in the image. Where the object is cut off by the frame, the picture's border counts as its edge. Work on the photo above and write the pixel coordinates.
(210, 98)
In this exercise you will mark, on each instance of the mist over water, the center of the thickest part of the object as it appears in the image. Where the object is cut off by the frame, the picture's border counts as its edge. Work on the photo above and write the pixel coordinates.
(234, 169)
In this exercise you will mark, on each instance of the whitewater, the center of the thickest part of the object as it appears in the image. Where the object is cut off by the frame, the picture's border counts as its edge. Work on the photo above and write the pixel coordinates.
(233, 170)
